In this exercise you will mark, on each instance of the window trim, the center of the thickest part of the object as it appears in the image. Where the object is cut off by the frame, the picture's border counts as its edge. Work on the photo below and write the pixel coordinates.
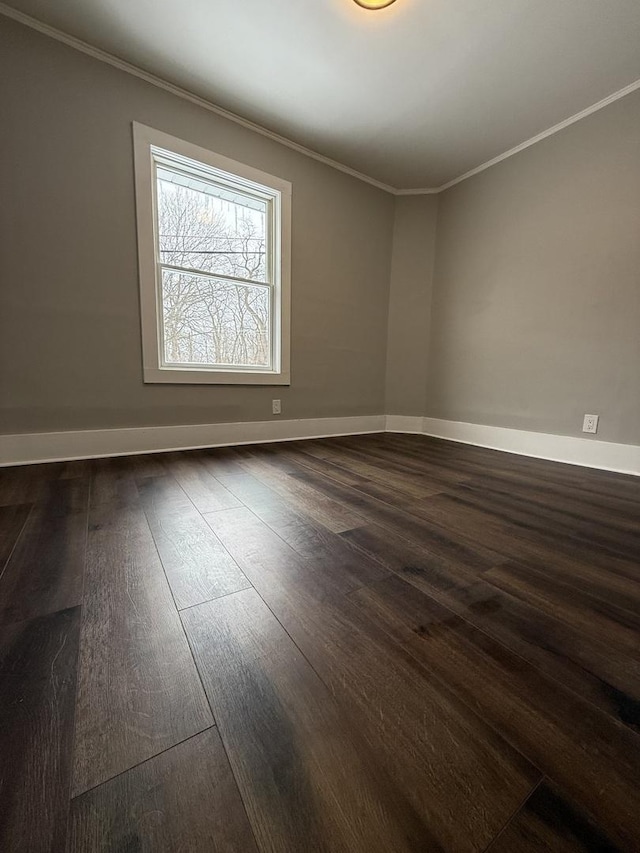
(144, 139)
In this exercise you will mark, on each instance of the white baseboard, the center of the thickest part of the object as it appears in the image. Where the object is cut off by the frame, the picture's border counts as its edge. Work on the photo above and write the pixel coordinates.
(587, 452)
(92, 444)
(405, 423)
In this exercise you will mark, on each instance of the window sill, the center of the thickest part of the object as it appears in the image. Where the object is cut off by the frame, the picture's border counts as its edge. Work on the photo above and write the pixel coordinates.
(213, 377)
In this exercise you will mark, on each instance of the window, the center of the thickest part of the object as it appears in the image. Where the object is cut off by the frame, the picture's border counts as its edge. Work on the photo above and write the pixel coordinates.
(213, 246)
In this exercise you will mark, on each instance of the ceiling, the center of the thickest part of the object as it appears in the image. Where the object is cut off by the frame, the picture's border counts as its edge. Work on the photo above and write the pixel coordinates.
(413, 95)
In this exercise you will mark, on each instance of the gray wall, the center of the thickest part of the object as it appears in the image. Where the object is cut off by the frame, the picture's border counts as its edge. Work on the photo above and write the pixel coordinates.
(70, 352)
(535, 316)
(530, 318)
(414, 242)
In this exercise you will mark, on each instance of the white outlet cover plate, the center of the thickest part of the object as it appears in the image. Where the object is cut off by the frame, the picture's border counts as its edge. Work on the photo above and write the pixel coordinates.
(590, 423)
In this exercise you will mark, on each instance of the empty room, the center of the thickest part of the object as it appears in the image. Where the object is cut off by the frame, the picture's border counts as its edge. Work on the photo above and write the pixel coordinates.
(319, 426)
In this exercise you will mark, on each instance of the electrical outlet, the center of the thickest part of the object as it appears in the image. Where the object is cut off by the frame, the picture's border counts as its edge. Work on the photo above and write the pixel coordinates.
(590, 423)
(276, 407)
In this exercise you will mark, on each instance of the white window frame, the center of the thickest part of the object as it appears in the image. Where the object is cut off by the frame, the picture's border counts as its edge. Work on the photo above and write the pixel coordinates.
(148, 142)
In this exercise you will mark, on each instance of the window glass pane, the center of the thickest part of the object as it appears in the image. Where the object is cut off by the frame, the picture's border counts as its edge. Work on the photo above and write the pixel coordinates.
(211, 228)
(214, 322)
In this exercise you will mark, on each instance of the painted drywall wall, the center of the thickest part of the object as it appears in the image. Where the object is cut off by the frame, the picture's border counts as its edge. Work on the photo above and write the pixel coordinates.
(413, 255)
(535, 315)
(70, 350)
(529, 319)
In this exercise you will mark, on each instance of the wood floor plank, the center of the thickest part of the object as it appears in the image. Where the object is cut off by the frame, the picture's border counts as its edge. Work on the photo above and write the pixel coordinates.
(305, 782)
(324, 510)
(220, 461)
(445, 760)
(453, 463)
(527, 540)
(74, 469)
(598, 510)
(296, 454)
(612, 508)
(12, 520)
(325, 551)
(339, 572)
(477, 461)
(38, 661)
(436, 539)
(205, 491)
(454, 623)
(251, 491)
(45, 571)
(381, 465)
(139, 692)
(554, 728)
(548, 822)
(375, 479)
(149, 465)
(65, 495)
(113, 482)
(603, 620)
(197, 566)
(473, 524)
(575, 658)
(474, 507)
(22, 484)
(183, 799)
(611, 581)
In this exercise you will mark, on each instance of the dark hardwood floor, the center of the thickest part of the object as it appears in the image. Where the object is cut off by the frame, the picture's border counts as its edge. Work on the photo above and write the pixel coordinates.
(373, 643)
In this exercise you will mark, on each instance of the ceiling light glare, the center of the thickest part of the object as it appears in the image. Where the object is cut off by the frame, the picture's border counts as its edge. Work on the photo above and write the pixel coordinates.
(374, 4)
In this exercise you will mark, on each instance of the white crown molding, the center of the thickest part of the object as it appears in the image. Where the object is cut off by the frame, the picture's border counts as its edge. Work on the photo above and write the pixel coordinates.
(586, 452)
(135, 71)
(610, 99)
(91, 444)
(418, 191)
(129, 68)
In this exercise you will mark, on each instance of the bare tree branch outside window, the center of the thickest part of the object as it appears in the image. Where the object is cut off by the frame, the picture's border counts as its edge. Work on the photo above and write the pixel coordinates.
(206, 319)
